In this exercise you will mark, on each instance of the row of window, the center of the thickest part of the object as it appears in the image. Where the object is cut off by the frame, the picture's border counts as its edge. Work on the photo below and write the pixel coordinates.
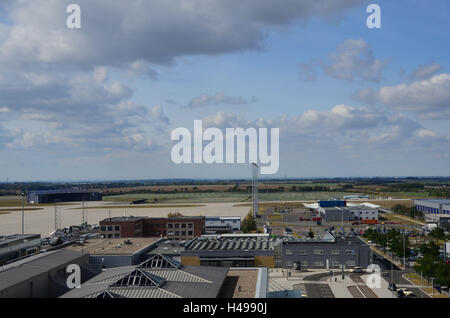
(110, 228)
(178, 225)
(321, 252)
(322, 263)
(177, 233)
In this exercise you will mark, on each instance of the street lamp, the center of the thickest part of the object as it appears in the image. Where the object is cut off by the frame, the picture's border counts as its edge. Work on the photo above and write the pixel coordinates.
(23, 213)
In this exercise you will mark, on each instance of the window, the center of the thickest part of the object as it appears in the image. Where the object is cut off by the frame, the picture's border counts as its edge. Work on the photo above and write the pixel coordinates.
(177, 226)
(177, 233)
(170, 226)
(303, 252)
(335, 252)
(350, 252)
(189, 232)
(289, 252)
(110, 228)
(103, 228)
(304, 263)
(110, 236)
(350, 263)
(190, 225)
(318, 263)
(318, 252)
(183, 226)
(117, 235)
(183, 233)
(117, 228)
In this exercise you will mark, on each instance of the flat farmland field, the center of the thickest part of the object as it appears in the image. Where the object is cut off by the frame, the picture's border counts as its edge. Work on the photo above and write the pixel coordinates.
(209, 197)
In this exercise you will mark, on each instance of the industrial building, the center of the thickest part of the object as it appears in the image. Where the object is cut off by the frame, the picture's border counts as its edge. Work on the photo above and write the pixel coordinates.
(42, 275)
(433, 206)
(230, 250)
(260, 250)
(109, 253)
(157, 277)
(324, 252)
(438, 220)
(176, 228)
(349, 213)
(16, 246)
(222, 224)
(52, 196)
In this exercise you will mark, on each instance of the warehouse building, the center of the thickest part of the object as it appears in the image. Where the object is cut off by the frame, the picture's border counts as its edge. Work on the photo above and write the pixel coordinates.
(349, 213)
(174, 228)
(52, 196)
(157, 277)
(431, 206)
(259, 250)
(16, 246)
(438, 220)
(43, 275)
(230, 250)
(324, 252)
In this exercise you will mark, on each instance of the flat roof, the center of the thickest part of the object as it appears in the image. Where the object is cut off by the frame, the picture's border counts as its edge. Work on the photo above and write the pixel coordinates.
(15, 237)
(240, 283)
(167, 248)
(440, 201)
(124, 219)
(114, 246)
(23, 270)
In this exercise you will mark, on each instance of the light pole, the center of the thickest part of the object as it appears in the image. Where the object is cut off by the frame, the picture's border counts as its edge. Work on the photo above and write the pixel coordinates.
(23, 213)
(432, 285)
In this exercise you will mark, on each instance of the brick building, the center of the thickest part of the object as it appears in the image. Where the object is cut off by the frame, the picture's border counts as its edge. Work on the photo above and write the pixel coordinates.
(176, 228)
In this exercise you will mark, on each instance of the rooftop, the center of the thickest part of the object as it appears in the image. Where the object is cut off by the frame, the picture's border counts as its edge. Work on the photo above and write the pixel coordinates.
(158, 277)
(58, 191)
(167, 248)
(222, 242)
(440, 201)
(28, 268)
(124, 219)
(114, 246)
(16, 237)
(240, 283)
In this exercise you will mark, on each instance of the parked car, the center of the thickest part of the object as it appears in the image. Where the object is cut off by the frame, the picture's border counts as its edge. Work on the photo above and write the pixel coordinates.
(406, 292)
(358, 270)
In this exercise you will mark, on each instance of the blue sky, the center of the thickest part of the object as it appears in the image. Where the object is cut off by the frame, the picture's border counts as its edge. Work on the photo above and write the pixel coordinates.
(100, 102)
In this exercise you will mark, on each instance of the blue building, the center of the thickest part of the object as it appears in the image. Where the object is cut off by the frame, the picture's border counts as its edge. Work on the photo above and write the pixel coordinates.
(433, 206)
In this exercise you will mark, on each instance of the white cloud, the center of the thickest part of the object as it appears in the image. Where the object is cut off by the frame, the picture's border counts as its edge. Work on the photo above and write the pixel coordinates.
(354, 59)
(429, 98)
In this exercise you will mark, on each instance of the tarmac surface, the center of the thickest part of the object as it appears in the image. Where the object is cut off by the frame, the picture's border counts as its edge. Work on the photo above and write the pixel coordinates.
(43, 221)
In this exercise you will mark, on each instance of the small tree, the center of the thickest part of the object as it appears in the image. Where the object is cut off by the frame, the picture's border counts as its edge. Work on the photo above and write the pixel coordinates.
(172, 215)
(249, 223)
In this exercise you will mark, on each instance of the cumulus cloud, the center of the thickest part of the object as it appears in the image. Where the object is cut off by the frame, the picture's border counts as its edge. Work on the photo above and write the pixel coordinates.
(341, 124)
(426, 71)
(429, 98)
(354, 59)
(125, 32)
(218, 99)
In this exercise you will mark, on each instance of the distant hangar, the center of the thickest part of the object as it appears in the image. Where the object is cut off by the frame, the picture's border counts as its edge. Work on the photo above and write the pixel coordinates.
(52, 196)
